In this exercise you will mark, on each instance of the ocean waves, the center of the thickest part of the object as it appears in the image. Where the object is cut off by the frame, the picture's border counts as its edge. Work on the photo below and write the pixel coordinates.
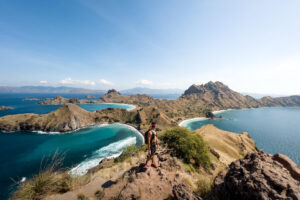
(111, 151)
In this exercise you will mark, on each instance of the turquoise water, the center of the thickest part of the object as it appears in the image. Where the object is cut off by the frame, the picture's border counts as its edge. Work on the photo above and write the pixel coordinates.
(22, 152)
(20, 106)
(275, 130)
(100, 106)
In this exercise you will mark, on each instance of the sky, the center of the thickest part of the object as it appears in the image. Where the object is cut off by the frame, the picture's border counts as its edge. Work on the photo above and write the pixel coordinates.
(250, 45)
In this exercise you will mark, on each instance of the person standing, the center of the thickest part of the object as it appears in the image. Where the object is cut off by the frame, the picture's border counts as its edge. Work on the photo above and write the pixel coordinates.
(152, 142)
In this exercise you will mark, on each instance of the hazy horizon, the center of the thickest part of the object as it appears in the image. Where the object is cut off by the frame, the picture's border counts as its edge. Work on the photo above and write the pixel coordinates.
(251, 46)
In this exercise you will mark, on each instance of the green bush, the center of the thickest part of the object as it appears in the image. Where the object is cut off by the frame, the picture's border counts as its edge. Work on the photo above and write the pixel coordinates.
(129, 151)
(187, 145)
(204, 188)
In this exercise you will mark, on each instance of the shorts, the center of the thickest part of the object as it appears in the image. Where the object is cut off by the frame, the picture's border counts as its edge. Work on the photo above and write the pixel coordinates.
(153, 149)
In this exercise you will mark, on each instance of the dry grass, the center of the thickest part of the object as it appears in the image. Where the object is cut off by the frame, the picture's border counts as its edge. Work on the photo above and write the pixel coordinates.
(204, 187)
(48, 181)
(82, 197)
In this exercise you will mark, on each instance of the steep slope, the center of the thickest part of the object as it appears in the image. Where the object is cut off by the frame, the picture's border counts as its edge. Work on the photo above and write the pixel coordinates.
(230, 146)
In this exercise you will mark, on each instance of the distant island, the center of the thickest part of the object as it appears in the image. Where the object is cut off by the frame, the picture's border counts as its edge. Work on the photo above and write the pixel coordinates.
(5, 108)
(48, 90)
(90, 97)
(71, 90)
(31, 99)
(196, 101)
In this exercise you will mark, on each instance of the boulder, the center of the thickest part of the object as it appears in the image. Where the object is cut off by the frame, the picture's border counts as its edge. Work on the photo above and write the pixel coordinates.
(182, 192)
(258, 176)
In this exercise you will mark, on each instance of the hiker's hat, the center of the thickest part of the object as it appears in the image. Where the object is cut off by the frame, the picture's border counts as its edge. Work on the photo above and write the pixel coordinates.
(153, 124)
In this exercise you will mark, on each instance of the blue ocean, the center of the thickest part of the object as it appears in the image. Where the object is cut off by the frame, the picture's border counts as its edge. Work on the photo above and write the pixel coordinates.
(21, 153)
(275, 130)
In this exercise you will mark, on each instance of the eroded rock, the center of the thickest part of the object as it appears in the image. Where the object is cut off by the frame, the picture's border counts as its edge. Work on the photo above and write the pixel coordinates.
(258, 176)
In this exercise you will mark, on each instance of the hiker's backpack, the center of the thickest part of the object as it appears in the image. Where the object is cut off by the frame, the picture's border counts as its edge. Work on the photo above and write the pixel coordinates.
(146, 136)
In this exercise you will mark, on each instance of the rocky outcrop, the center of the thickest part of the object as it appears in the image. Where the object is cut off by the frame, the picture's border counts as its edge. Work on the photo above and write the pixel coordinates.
(289, 165)
(260, 176)
(5, 108)
(182, 192)
(58, 100)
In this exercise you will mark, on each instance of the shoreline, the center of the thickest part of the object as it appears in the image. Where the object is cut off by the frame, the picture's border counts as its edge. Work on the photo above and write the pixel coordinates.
(91, 126)
(191, 119)
(182, 123)
(133, 106)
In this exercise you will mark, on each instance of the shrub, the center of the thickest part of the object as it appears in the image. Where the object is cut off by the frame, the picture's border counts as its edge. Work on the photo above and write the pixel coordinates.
(204, 188)
(99, 194)
(82, 197)
(187, 145)
(129, 151)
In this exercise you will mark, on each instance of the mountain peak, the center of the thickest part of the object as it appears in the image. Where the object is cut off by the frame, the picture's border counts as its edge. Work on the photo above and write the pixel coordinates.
(200, 89)
(112, 91)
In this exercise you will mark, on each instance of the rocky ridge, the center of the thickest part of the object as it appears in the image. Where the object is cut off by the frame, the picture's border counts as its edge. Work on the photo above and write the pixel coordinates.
(260, 176)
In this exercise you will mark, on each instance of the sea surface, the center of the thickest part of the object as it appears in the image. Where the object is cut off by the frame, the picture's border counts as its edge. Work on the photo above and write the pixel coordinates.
(23, 153)
(275, 130)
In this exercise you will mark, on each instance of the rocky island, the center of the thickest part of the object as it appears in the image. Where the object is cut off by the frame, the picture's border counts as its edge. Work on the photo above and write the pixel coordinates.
(5, 108)
(90, 97)
(31, 99)
(59, 100)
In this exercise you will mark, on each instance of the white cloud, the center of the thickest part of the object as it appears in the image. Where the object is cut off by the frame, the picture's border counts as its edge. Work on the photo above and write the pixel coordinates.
(105, 82)
(43, 82)
(144, 82)
(69, 81)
